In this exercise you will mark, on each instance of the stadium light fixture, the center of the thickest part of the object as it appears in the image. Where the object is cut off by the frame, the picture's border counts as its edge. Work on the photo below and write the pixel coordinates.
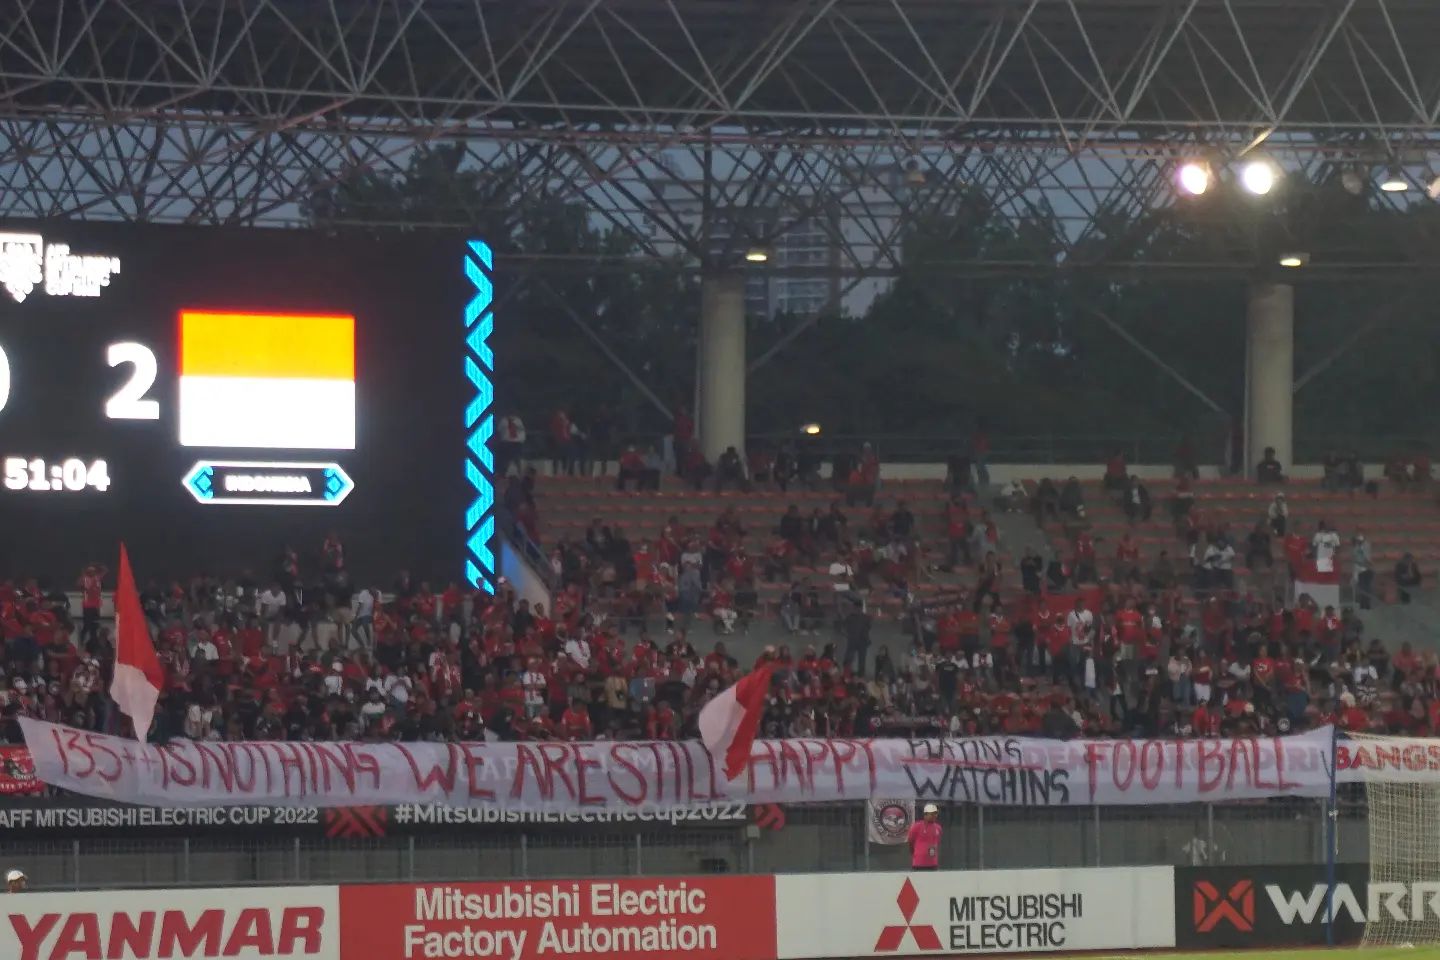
(757, 255)
(914, 176)
(1432, 190)
(1193, 177)
(1352, 181)
(810, 429)
(1296, 259)
(1259, 176)
(1395, 181)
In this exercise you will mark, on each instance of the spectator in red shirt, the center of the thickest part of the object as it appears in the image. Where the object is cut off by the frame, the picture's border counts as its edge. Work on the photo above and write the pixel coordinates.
(1085, 558)
(632, 470)
(575, 721)
(90, 581)
(1117, 473)
(1127, 560)
(562, 460)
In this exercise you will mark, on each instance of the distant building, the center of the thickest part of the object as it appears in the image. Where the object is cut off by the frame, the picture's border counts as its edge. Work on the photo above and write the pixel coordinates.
(809, 266)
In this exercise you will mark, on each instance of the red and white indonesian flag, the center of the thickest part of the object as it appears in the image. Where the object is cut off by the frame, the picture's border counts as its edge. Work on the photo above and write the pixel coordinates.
(284, 381)
(729, 723)
(138, 677)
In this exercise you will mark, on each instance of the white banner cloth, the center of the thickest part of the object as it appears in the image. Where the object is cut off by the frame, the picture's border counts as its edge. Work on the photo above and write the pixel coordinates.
(559, 777)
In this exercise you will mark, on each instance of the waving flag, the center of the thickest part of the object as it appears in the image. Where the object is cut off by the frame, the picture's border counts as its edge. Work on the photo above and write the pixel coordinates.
(729, 722)
(138, 677)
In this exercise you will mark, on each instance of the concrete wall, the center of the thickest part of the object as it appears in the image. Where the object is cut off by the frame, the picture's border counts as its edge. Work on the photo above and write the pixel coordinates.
(526, 581)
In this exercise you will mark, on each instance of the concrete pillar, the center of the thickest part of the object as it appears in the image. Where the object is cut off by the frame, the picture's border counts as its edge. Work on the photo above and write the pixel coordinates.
(1269, 373)
(720, 376)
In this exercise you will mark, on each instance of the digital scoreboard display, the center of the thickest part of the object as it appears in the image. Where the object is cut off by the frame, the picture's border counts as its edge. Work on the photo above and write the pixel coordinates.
(211, 396)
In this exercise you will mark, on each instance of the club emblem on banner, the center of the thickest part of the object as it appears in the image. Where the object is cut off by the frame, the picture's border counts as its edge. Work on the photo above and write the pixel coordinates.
(888, 821)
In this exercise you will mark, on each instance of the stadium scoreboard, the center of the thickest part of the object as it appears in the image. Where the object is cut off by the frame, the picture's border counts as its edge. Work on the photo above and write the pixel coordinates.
(210, 396)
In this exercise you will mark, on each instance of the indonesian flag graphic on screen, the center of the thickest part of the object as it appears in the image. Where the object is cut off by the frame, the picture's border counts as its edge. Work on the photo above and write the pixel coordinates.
(267, 380)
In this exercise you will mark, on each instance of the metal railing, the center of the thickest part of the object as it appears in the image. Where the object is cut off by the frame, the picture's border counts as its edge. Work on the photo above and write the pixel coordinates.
(1026, 448)
(531, 551)
(796, 839)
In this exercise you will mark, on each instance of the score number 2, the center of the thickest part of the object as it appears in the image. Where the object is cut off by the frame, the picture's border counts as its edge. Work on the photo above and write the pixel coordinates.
(128, 402)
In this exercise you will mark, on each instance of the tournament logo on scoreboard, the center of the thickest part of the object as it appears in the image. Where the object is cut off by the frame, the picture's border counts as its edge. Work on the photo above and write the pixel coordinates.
(27, 262)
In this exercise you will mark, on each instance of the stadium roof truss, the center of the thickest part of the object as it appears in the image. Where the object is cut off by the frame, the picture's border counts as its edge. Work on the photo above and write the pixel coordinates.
(666, 116)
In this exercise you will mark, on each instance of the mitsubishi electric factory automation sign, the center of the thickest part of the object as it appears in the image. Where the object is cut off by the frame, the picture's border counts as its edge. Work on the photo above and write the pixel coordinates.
(991, 911)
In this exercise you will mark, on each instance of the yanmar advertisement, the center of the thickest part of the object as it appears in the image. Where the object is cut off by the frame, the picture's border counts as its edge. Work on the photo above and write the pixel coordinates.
(988, 911)
(272, 923)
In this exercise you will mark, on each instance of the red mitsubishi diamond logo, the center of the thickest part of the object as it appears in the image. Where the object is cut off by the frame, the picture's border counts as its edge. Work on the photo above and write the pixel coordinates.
(892, 938)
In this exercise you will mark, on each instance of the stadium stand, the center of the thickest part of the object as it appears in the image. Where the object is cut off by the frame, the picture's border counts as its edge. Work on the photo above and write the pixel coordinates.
(1037, 653)
(1397, 519)
(657, 525)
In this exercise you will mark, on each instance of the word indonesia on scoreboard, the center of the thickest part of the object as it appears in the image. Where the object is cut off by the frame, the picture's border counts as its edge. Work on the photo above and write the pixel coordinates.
(170, 389)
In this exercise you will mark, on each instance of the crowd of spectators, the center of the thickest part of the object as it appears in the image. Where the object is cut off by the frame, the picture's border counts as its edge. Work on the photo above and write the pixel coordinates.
(1062, 646)
(307, 655)
(310, 657)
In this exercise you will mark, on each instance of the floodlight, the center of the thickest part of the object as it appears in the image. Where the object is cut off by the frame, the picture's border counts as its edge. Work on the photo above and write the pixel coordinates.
(1394, 181)
(1193, 177)
(1259, 176)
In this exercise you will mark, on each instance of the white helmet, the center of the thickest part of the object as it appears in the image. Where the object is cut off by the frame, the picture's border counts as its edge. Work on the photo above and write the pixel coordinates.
(14, 875)
(931, 808)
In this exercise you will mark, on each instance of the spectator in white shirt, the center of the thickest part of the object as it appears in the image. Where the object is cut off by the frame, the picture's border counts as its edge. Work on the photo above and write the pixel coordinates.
(397, 689)
(271, 607)
(362, 610)
(578, 650)
(1279, 515)
(1080, 621)
(1325, 543)
(534, 683)
(1219, 564)
(335, 680)
(510, 444)
(374, 707)
(198, 721)
(203, 648)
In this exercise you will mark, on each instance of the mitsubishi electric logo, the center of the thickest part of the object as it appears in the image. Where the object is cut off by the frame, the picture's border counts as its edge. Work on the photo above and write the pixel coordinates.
(985, 922)
(27, 262)
(892, 938)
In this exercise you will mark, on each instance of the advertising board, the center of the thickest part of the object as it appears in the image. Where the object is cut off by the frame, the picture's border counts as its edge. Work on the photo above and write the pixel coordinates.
(989, 911)
(717, 918)
(1285, 905)
(261, 923)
